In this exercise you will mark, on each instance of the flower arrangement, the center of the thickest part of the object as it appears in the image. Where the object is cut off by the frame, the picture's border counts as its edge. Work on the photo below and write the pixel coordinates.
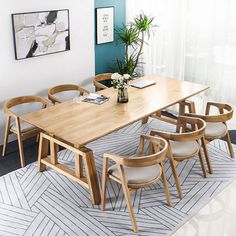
(120, 81)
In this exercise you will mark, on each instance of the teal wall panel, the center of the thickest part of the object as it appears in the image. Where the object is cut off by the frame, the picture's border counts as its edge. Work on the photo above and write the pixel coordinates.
(106, 54)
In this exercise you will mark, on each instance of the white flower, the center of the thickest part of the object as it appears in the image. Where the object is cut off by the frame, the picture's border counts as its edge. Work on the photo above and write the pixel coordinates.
(115, 76)
(126, 76)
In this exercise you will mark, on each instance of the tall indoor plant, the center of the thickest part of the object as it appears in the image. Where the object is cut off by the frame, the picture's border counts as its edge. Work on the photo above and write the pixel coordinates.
(133, 36)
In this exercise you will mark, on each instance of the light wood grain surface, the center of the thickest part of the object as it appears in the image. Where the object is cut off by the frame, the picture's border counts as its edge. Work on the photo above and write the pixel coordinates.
(82, 123)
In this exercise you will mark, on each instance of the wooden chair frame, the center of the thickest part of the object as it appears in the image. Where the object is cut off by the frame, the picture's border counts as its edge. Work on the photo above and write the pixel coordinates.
(21, 136)
(63, 88)
(197, 134)
(158, 147)
(101, 77)
(225, 113)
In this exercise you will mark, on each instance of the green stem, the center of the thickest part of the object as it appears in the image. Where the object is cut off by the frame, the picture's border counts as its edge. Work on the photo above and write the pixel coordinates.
(140, 51)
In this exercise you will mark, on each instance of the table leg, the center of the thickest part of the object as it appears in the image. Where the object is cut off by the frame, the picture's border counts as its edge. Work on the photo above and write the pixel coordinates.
(92, 178)
(42, 153)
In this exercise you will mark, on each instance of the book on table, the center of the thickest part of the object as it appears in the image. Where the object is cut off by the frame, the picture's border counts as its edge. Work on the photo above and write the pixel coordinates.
(95, 98)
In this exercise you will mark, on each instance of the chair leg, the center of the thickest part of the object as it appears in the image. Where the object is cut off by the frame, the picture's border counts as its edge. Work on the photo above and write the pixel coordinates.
(207, 155)
(231, 150)
(128, 200)
(165, 184)
(104, 183)
(176, 177)
(202, 163)
(21, 150)
(7, 128)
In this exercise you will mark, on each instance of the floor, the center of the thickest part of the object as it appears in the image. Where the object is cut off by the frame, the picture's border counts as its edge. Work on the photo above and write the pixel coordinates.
(216, 218)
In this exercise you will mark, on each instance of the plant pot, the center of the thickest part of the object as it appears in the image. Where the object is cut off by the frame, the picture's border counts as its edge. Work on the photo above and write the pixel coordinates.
(122, 96)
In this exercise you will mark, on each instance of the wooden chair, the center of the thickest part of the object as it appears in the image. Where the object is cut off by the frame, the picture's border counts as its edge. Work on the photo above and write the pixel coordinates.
(63, 88)
(136, 172)
(101, 77)
(185, 144)
(22, 129)
(216, 127)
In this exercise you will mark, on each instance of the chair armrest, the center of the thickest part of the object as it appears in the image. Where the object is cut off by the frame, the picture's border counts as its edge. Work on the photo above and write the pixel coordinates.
(118, 159)
(162, 134)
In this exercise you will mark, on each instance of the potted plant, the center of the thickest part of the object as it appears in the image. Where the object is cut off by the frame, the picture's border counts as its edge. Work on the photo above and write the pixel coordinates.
(133, 36)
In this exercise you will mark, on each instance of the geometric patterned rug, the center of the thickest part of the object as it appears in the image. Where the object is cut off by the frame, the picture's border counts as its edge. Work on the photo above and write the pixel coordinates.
(48, 203)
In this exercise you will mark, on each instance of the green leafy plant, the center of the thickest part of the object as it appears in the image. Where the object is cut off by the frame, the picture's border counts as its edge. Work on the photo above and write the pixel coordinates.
(133, 37)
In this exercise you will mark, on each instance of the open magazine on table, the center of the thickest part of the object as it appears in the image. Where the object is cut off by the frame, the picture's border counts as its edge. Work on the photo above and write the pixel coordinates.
(95, 98)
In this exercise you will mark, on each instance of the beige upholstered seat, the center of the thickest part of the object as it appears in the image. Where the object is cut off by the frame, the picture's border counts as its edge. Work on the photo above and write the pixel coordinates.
(24, 126)
(216, 126)
(182, 149)
(185, 144)
(137, 175)
(215, 130)
(137, 172)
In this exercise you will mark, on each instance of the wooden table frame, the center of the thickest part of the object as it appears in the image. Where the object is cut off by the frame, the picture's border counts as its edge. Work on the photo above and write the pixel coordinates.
(82, 154)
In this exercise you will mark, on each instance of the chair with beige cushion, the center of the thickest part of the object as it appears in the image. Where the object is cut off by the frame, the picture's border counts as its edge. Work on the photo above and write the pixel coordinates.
(185, 144)
(64, 92)
(15, 125)
(136, 172)
(100, 80)
(216, 127)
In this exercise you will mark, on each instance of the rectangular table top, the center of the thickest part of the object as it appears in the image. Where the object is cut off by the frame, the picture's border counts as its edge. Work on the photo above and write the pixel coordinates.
(82, 123)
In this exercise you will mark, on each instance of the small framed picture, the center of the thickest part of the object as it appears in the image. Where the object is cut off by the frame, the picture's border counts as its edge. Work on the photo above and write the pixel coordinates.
(40, 33)
(105, 24)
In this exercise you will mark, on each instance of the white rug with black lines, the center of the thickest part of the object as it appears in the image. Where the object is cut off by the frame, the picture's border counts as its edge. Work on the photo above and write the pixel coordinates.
(49, 203)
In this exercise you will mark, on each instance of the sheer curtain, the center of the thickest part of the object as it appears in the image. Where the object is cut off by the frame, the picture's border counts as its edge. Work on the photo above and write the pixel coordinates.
(195, 41)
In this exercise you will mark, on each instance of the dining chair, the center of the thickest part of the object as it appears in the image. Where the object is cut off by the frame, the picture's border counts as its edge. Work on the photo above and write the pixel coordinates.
(14, 124)
(185, 144)
(64, 92)
(216, 126)
(100, 79)
(136, 172)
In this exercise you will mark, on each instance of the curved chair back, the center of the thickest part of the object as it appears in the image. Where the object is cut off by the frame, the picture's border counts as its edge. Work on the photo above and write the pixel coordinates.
(159, 147)
(63, 88)
(101, 77)
(225, 112)
(188, 129)
(24, 100)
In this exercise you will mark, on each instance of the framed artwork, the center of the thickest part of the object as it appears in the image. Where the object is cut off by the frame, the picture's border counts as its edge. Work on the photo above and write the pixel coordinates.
(105, 24)
(40, 33)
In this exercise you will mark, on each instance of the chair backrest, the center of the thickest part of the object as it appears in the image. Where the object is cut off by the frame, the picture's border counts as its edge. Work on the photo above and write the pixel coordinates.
(188, 129)
(64, 88)
(101, 77)
(225, 113)
(14, 102)
(160, 147)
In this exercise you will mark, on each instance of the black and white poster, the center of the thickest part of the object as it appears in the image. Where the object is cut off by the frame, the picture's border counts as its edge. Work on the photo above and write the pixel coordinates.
(105, 24)
(41, 33)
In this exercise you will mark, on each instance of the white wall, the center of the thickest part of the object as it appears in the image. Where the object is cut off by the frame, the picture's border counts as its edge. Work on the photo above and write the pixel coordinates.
(35, 75)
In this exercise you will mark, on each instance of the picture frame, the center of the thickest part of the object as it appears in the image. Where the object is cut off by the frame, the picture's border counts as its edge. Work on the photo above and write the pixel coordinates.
(40, 33)
(105, 19)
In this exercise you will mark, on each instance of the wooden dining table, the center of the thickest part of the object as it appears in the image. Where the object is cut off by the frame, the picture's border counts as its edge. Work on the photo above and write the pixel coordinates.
(75, 124)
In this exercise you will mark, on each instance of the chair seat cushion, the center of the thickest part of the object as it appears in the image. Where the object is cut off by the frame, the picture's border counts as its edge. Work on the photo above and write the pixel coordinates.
(137, 175)
(183, 149)
(215, 130)
(24, 126)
